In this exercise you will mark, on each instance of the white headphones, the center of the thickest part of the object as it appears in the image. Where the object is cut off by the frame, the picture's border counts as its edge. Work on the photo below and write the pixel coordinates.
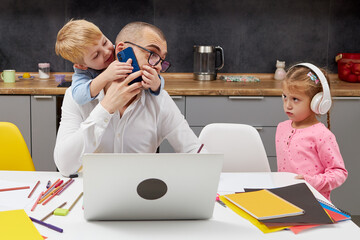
(321, 102)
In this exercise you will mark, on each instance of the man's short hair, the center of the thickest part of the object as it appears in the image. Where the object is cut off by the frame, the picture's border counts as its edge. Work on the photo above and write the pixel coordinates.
(134, 30)
(74, 38)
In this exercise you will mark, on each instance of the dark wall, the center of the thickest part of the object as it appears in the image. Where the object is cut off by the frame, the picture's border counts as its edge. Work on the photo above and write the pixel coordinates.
(253, 33)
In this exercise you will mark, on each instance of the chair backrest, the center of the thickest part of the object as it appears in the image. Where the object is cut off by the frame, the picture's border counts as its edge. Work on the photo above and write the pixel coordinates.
(14, 153)
(241, 145)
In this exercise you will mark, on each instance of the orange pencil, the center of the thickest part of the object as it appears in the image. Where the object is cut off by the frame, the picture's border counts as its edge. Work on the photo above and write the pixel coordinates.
(52, 195)
(55, 188)
(51, 187)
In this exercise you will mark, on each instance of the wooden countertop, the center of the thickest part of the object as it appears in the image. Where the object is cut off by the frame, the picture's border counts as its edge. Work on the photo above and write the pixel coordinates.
(182, 84)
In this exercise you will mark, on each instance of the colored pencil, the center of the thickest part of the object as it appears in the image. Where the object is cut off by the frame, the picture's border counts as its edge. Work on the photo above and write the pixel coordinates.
(51, 213)
(14, 188)
(33, 190)
(50, 188)
(52, 195)
(66, 186)
(77, 199)
(200, 148)
(48, 184)
(37, 200)
(47, 225)
(55, 188)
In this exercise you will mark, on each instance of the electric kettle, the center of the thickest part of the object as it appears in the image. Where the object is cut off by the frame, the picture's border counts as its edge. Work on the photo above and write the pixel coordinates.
(205, 67)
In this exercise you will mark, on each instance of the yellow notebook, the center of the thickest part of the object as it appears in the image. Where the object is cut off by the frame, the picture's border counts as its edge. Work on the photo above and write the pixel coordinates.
(16, 225)
(263, 204)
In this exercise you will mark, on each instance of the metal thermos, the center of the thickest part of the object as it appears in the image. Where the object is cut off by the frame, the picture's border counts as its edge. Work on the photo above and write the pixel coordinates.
(205, 67)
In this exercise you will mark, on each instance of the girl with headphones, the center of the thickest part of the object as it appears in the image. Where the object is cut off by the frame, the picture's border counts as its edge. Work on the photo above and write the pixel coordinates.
(304, 145)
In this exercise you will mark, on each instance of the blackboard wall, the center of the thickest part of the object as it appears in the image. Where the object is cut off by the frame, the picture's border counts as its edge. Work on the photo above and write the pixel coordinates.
(253, 33)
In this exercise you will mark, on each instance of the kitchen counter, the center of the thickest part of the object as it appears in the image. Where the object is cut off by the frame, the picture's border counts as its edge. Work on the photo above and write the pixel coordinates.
(182, 84)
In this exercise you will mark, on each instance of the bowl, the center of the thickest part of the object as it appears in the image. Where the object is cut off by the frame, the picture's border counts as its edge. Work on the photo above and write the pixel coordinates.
(348, 67)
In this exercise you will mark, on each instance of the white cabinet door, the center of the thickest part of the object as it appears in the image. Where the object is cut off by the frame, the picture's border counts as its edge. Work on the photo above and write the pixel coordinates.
(16, 109)
(43, 122)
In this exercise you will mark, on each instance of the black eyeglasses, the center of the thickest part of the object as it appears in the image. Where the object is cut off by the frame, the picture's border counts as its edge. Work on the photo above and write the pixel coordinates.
(154, 58)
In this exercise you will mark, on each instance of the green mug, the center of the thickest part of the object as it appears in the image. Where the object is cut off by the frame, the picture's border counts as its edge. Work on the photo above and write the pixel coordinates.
(8, 76)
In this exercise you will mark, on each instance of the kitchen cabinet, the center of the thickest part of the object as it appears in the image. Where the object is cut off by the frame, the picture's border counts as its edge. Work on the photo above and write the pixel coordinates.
(43, 131)
(35, 116)
(264, 113)
(16, 109)
(345, 119)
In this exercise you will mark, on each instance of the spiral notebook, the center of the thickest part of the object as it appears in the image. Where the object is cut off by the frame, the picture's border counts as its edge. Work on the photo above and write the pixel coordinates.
(335, 213)
(264, 204)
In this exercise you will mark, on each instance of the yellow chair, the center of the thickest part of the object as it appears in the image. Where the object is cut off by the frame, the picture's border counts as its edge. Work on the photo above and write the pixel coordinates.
(14, 154)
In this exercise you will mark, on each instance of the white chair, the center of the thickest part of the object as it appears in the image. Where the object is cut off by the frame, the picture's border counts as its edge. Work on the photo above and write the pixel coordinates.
(241, 144)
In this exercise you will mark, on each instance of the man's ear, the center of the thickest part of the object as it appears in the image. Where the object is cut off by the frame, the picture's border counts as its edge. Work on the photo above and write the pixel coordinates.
(119, 47)
(81, 66)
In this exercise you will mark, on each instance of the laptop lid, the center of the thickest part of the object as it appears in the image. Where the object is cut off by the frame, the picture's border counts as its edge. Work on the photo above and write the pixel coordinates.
(150, 186)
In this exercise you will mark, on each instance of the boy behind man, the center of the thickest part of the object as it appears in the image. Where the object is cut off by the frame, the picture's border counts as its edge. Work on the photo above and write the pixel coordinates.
(95, 64)
(124, 119)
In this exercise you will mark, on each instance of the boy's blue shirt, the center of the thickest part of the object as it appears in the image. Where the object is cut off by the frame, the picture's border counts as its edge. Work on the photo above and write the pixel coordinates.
(81, 80)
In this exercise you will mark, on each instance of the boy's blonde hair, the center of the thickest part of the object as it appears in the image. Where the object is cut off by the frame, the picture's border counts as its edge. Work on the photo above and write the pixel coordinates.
(74, 38)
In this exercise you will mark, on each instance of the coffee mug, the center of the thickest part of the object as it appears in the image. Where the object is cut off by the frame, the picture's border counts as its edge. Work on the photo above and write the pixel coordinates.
(8, 76)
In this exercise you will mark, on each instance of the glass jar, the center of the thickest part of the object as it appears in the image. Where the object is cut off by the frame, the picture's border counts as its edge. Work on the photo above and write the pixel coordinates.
(44, 70)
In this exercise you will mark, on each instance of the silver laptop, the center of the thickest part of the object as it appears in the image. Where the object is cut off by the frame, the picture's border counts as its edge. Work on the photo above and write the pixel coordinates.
(150, 186)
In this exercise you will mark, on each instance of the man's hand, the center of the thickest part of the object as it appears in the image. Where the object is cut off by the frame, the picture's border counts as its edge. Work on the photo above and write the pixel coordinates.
(120, 93)
(150, 78)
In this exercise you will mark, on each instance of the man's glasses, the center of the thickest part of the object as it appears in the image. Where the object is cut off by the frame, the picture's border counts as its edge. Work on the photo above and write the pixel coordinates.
(154, 58)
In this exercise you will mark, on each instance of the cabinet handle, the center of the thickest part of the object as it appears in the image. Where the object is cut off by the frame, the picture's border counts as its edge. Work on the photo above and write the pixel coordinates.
(246, 97)
(43, 97)
(176, 97)
(346, 98)
(259, 128)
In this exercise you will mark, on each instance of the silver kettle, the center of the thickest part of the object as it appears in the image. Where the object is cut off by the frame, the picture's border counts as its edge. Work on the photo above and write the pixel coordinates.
(205, 62)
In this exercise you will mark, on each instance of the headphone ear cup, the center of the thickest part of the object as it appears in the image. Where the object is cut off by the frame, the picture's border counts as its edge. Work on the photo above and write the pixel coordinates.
(315, 102)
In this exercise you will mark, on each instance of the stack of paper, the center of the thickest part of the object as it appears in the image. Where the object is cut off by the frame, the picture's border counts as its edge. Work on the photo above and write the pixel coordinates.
(298, 195)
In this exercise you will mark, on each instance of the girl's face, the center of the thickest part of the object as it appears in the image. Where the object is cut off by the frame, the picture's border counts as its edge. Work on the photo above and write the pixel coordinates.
(297, 107)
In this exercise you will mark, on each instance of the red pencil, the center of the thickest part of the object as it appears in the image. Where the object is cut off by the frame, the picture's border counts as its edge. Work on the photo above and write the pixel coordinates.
(32, 191)
(15, 188)
(37, 200)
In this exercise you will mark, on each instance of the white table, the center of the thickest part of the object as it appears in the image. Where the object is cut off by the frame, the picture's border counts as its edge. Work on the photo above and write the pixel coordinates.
(225, 223)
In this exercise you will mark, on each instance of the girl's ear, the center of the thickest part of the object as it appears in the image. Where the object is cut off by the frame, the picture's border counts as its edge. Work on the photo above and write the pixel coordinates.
(81, 66)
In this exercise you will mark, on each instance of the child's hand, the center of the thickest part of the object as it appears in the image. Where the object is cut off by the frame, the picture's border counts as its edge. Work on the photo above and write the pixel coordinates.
(117, 70)
(150, 79)
(299, 176)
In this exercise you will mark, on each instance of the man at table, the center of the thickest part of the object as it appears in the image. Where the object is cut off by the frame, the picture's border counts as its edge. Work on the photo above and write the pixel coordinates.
(124, 119)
